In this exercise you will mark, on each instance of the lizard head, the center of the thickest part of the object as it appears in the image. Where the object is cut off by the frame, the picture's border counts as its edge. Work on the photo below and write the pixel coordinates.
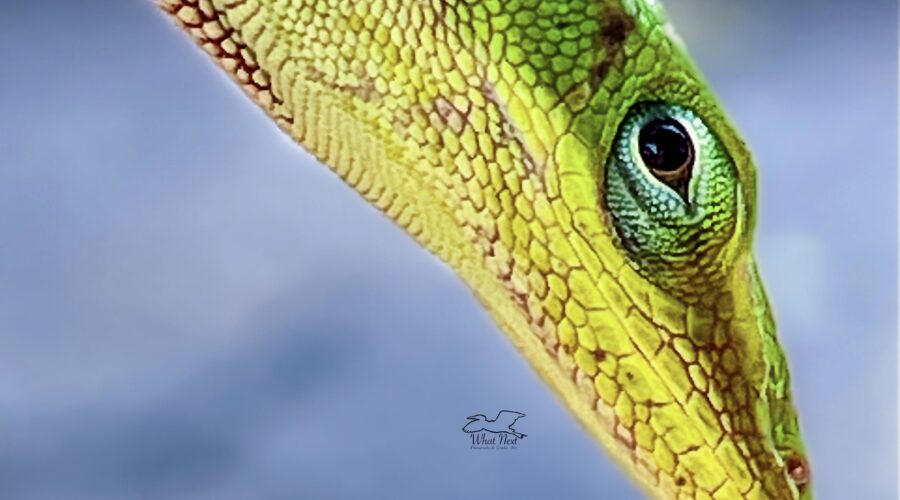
(568, 162)
(664, 316)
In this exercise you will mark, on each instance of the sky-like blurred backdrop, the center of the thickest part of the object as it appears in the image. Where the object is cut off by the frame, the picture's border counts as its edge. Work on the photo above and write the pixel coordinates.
(192, 308)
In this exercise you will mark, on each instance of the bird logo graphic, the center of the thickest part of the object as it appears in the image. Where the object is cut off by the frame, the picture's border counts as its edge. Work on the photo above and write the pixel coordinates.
(502, 424)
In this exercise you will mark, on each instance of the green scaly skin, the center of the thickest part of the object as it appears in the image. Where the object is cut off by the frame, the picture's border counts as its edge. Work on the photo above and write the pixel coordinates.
(502, 135)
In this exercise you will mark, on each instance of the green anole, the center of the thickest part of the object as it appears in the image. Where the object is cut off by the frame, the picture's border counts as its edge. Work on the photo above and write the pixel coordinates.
(568, 161)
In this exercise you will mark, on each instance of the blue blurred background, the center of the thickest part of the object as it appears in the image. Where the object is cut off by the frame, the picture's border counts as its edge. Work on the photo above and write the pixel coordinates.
(191, 307)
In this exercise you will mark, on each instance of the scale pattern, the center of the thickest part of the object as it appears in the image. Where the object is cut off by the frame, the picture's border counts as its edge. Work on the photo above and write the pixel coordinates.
(481, 127)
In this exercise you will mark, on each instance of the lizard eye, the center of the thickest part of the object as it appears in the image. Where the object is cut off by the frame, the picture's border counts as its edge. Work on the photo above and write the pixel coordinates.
(671, 188)
(661, 152)
(667, 150)
(661, 141)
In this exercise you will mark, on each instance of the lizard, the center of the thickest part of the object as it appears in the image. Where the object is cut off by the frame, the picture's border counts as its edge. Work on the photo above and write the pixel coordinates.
(568, 161)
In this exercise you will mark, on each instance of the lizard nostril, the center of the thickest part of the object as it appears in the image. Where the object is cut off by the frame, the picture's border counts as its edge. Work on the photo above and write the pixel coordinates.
(798, 470)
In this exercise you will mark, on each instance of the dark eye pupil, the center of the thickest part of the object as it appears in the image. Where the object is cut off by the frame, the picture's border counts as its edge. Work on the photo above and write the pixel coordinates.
(665, 146)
